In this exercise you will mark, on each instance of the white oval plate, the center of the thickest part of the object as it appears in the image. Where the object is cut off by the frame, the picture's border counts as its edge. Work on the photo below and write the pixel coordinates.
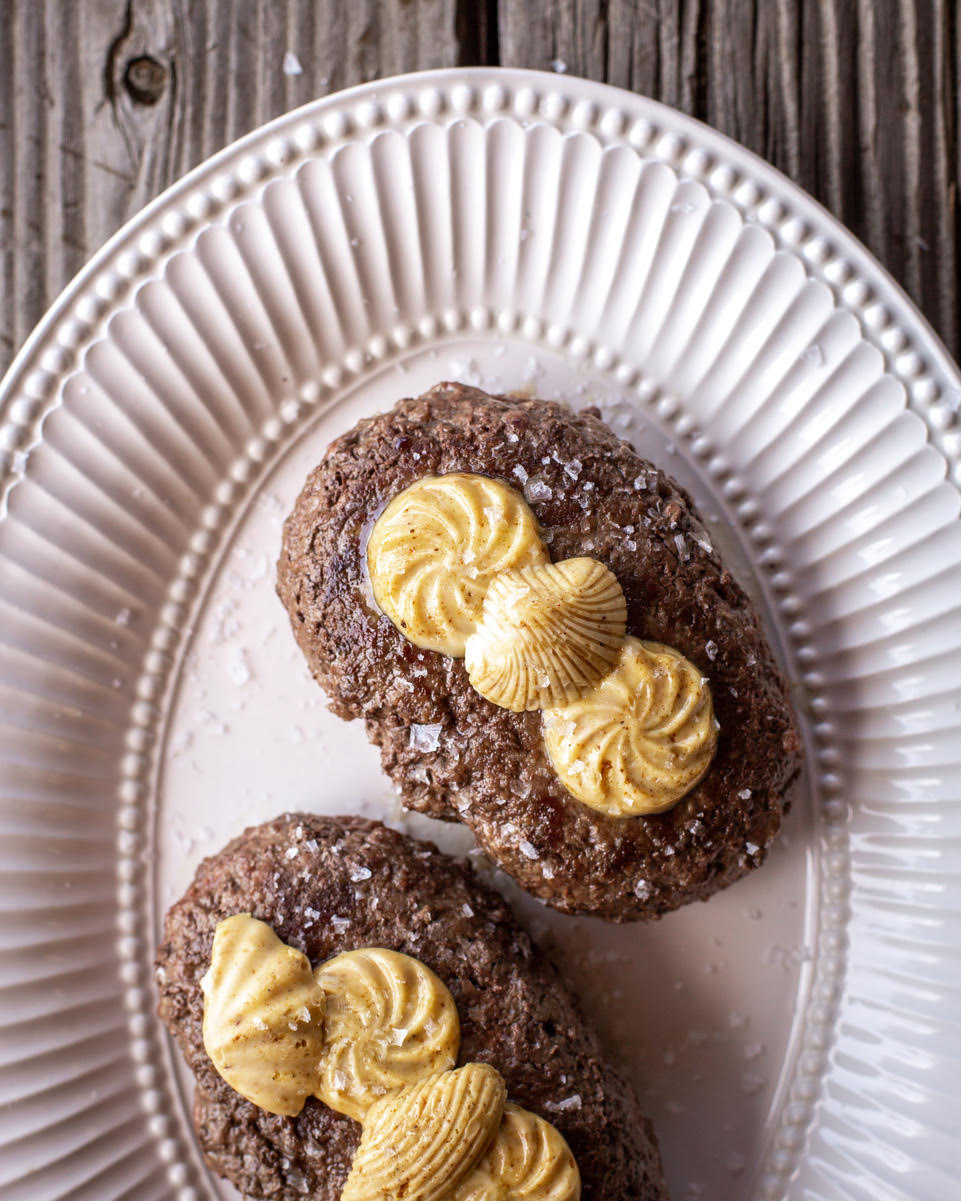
(796, 1037)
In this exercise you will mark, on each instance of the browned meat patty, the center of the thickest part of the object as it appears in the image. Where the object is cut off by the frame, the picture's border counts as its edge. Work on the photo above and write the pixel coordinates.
(328, 885)
(593, 495)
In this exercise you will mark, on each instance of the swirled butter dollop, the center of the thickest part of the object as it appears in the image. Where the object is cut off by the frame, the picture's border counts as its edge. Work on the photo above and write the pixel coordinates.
(375, 1034)
(458, 564)
(529, 1160)
(434, 550)
(547, 634)
(389, 1022)
(420, 1142)
(263, 1015)
(641, 738)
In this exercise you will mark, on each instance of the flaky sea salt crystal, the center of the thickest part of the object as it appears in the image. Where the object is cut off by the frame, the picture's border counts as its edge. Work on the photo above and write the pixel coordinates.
(425, 737)
(681, 543)
(558, 65)
(339, 924)
(237, 668)
(296, 1177)
(710, 649)
(573, 468)
(291, 852)
(573, 1102)
(752, 848)
(744, 794)
(467, 910)
(642, 890)
(123, 617)
(528, 849)
(538, 490)
(812, 355)
(520, 474)
(548, 871)
(360, 873)
(291, 64)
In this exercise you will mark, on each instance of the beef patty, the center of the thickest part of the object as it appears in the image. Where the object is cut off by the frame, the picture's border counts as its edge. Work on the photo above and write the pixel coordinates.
(593, 495)
(327, 885)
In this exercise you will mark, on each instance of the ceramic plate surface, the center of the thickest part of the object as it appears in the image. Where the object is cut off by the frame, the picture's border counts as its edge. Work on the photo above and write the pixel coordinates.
(798, 1036)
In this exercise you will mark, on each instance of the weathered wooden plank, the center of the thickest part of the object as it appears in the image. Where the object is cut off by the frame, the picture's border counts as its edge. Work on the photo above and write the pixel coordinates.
(103, 104)
(71, 154)
(857, 100)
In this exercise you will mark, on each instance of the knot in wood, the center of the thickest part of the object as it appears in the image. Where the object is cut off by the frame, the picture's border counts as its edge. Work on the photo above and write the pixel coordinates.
(145, 79)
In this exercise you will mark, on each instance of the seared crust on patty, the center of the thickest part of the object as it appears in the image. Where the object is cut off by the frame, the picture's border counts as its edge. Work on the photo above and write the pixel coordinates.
(490, 769)
(307, 877)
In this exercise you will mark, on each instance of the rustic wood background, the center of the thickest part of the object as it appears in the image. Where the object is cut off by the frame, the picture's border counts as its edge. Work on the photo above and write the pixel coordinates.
(103, 103)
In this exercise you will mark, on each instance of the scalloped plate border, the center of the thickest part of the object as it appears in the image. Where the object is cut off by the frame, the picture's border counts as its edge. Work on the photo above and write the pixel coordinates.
(33, 385)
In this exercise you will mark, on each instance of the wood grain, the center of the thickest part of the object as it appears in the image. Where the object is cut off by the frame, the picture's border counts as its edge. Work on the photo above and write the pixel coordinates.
(104, 103)
(79, 155)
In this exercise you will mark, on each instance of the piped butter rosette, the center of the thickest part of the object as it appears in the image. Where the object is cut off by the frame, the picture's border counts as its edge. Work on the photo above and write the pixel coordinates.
(389, 1021)
(434, 550)
(420, 1143)
(528, 1160)
(458, 565)
(547, 634)
(639, 740)
(263, 1015)
(375, 1034)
